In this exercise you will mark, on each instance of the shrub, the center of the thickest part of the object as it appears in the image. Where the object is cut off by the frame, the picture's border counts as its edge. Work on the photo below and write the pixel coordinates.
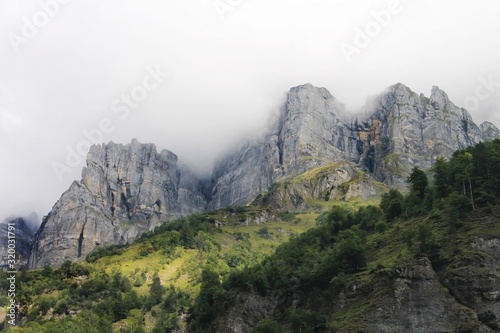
(267, 325)
(380, 226)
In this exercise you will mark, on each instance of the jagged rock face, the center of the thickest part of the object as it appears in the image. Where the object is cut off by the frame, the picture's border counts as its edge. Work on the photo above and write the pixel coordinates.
(417, 302)
(128, 189)
(414, 130)
(411, 298)
(22, 229)
(311, 130)
(250, 309)
(306, 135)
(124, 191)
(240, 176)
(477, 285)
(489, 131)
(396, 131)
(134, 181)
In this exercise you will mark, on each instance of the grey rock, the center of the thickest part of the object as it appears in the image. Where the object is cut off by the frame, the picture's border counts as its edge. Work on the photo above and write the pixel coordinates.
(303, 137)
(248, 312)
(414, 130)
(20, 231)
(395, 131)
(410, 298)
(128, 189)
(477, 285)
(335, 181)
(417, 302)
(489, 131)
(125, 190)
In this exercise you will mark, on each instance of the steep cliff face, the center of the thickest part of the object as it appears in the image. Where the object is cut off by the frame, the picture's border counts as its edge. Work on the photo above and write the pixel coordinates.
(396, 130)
(414, 130)
(489, 131)
(125, 190)
(307, 134)
(456, 289)
(416, 301)
(409, 299)
(22, 230)
(477, 284)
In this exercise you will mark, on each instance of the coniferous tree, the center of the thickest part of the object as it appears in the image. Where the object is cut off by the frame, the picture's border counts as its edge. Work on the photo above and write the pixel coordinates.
(463, 169)
(392, 203)
(441, 177)
(418, 182)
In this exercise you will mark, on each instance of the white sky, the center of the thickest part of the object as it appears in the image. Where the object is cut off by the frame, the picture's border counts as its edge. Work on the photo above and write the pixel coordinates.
(225, 75)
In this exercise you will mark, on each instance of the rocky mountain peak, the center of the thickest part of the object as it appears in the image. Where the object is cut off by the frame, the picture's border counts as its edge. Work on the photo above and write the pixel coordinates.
(489, 130)
(316, 99)
(124, 191)
(397, 130)
(439, 99)
(128, 189)
(400, 88)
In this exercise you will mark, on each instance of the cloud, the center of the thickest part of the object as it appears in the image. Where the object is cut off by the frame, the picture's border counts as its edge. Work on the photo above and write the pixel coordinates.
(225, 76)
(9, 122)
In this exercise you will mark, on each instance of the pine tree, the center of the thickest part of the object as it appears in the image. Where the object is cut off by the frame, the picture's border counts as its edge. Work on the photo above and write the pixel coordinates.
(418, 182)
(441, 177)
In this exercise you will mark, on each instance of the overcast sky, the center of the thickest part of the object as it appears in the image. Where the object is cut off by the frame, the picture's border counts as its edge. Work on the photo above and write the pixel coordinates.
(69, 66)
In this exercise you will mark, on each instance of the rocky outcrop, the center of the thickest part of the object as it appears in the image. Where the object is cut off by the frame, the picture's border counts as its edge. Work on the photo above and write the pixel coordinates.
(477, 284)
(489, 131)
(22, 231)
(411, 298)
(249, 311)
(125, 190)
(306, 135)
(415, 301)
(335, 181)
(397, 130)
(409, 130)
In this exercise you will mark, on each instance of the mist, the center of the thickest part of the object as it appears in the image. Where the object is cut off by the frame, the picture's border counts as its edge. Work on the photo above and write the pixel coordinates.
(195, 77)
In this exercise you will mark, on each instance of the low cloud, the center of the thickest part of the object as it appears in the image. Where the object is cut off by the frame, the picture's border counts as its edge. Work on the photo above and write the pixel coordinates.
(226, 77)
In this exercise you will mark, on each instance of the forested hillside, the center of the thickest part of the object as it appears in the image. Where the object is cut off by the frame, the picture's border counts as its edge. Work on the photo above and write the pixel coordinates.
(426, 260)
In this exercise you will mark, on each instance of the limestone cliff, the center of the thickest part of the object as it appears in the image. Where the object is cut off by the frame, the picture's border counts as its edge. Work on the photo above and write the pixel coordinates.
(489, 130)
(125, 190)
(395, 131)
(306, 135)
(409, 130)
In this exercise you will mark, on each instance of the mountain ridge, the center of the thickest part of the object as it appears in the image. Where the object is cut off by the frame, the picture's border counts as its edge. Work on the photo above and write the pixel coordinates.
(128, 189)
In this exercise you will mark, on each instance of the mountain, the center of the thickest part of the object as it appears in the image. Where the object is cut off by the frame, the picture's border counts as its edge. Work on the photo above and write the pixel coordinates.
(124, 191)
(451, 290)
(397, 130)
(22, 230)
(314, 151)
(323, 245)
(250, 269)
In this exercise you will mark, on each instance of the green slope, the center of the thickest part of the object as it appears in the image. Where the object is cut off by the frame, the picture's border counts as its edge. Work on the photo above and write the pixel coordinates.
(427, 261)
